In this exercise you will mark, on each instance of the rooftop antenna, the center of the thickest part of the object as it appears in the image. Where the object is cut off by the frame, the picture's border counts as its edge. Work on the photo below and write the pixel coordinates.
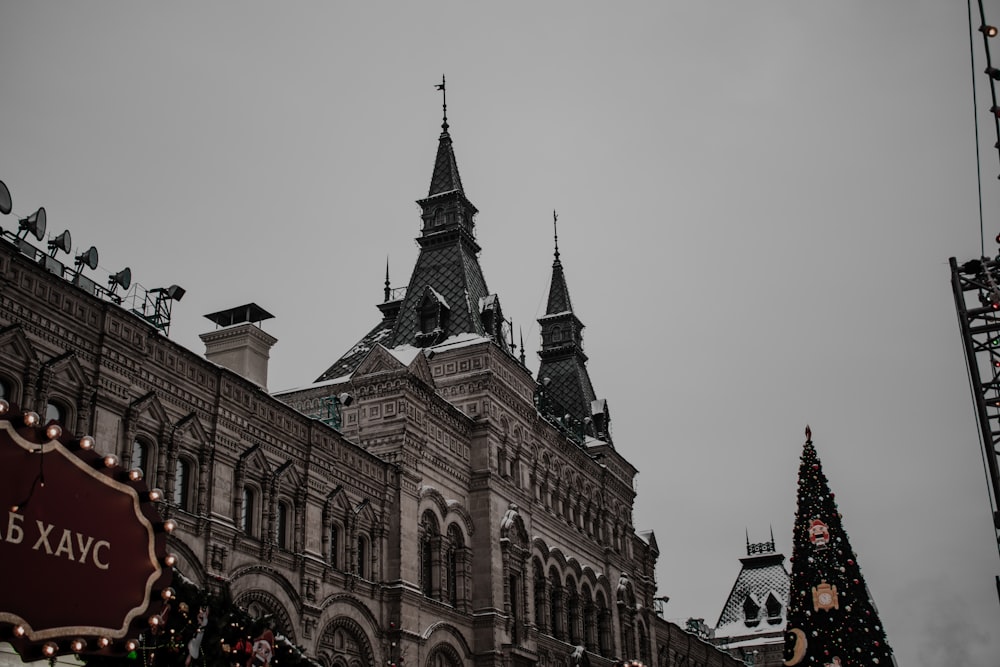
(444, 104)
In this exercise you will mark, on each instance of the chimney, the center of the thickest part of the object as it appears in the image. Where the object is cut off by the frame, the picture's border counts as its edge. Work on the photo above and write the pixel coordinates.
(239, 344)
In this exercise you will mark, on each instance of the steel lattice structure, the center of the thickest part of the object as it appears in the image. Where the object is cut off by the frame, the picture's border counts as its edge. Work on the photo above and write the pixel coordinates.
(977, 302)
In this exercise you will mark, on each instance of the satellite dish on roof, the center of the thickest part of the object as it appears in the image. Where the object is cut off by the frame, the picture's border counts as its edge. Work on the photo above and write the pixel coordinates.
(35, 223)
(62, 242)
(89, 258)
(5, 203)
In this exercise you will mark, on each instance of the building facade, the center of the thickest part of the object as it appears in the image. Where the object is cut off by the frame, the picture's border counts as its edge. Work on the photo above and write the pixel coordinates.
(426, 501)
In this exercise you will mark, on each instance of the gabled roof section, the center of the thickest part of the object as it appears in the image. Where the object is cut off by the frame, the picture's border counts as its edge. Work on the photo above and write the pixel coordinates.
(349, 361)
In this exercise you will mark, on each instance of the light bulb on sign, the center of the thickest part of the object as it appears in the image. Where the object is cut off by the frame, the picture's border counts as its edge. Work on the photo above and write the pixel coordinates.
(31, 419)
(87, 443)
(53, 431)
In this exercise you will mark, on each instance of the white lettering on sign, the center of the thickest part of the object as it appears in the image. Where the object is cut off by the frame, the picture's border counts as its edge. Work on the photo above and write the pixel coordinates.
(78, 551)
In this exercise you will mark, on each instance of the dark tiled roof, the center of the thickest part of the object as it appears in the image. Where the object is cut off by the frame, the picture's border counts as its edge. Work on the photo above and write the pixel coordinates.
(569, 390)
(558, 291)
(759, 576)
(448, 265)
(350, 360)
(445, 177)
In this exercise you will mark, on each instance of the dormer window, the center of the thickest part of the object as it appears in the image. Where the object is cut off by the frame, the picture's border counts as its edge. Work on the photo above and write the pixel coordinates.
(432, 314)
(773, 606)
(751, 611)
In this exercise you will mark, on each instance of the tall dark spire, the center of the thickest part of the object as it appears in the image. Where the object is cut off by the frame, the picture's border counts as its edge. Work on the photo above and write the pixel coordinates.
(566, 390)
(447, 294)
(558, 291)
(445, 177)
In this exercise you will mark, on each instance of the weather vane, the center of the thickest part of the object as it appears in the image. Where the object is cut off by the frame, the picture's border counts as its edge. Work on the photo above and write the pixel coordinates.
(444, 104)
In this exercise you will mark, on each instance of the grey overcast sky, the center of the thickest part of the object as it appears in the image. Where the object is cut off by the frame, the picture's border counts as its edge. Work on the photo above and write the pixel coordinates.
(757, 204)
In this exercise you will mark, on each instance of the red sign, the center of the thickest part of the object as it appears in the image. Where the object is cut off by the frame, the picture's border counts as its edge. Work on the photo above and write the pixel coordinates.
(77, 545)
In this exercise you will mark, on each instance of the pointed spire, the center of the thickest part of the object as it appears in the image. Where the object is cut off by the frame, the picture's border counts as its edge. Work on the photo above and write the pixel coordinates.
(387, 290)
(521, 331)
(558, 291)
(445, 177)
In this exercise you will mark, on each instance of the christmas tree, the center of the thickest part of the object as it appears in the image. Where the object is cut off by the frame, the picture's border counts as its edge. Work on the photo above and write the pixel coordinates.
(832, 620)
(196, 627)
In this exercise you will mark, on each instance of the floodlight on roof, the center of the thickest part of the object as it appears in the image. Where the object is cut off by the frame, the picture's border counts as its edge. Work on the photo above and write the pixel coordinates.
(988, 30)
(34, 224)
(62, 242)
(5, 202)
(89, 257)
(121, 279)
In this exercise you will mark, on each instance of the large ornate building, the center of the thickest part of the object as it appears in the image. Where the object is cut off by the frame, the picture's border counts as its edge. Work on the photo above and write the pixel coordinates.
(426, 501)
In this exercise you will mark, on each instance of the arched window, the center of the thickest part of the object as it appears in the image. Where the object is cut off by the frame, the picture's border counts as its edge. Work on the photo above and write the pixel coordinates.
(334, 544)
(362, 557)
(281, 524)
(572, 613)
(182, 484)
(247, 511)
(430, 541)
(555, 605)
(643, 646)
(56, 410)
(5, 391)
(539, 598)
(603, 627)
(455, 544)
(140, 457)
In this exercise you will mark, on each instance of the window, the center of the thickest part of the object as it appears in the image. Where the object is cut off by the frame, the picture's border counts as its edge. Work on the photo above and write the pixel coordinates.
(5, 392)
(281, 524)
(751, 611)
(55, 411)
(539, 598)
(247, 511)
(455, 543)
(140, 454)
(334, 544)
(362, 557)
(182, 478)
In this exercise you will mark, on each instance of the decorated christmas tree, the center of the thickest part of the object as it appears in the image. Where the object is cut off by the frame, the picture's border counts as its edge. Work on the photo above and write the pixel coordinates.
(832, 620)
(195, 627)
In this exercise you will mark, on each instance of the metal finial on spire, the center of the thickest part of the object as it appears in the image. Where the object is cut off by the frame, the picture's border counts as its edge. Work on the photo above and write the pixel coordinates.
(387, 290)
(444, 104)
(555, 231)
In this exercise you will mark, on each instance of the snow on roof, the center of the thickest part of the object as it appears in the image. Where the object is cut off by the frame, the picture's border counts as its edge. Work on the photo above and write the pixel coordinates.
(487, 301)
(753, 641)
(441, 299)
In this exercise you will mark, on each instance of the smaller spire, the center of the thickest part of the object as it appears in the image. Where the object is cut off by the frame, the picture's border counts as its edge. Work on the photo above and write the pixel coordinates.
(555, 233)
(444, 105)
(387, 290)
(522, 344)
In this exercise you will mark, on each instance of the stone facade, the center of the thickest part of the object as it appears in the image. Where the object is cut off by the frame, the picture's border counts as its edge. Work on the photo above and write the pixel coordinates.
(444, 522)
